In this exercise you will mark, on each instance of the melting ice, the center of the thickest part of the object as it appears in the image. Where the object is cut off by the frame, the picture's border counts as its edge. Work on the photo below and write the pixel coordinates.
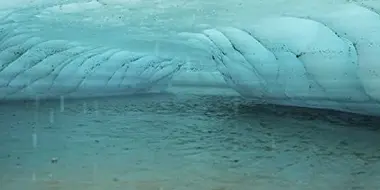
(136, 94)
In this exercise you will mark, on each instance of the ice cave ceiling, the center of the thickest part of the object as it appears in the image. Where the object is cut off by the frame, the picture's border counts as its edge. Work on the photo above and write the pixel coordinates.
(314, 54)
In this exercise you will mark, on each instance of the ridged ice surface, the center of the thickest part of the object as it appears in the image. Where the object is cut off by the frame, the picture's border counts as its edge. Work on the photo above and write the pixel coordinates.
(322, 55)
(189, 95)
(328, 61)
(184, 143)
(31, 66)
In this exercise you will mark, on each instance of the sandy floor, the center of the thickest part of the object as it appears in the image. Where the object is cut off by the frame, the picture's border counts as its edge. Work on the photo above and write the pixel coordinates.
(163, 142)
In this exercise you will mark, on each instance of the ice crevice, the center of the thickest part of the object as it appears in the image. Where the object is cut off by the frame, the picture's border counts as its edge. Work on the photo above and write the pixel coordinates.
(321, 61)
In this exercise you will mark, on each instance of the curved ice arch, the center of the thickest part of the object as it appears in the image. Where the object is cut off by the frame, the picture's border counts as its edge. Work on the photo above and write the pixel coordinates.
(361, 26)
(295, 61)
(31, 66)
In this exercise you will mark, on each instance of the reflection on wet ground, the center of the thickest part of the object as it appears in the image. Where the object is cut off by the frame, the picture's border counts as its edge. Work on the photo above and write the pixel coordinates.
(167, 142)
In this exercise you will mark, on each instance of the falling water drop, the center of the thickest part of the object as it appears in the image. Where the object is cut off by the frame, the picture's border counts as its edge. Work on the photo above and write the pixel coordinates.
(37, 106)
(62, 103)
(37, 102)
(34, 134)
(50, 176)
(51, 116)
(84, 107)
(274, 144)
(157, 49)
(193, 22)
(96, 107)
(94, 171)
(34, 140)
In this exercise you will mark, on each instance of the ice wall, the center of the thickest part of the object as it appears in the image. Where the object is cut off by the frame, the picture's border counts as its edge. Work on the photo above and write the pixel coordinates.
(319, 54)
(325, 61)
(31, 66)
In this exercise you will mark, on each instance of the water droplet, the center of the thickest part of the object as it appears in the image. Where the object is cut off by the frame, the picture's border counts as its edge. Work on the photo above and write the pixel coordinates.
(96, 107)
(62, 103)
(34, 140)
(157, 49)
(54, 160)
(51, 118)
(94, 170)
(37, 102)
(84, 107)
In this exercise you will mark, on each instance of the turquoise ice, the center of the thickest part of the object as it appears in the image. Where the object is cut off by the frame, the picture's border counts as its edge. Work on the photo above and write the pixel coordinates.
(322, 58)
(189, 95)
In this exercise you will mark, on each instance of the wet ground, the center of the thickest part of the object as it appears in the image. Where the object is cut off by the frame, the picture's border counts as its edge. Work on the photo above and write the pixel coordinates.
(167, 142)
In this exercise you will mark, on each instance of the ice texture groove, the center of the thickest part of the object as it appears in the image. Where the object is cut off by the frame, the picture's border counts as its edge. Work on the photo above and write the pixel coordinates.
(361, 26)
(303, 61)
(319, 60)
(34, 67)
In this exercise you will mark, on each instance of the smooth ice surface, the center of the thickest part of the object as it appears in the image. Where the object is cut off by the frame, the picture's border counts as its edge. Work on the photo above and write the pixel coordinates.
(318, 54)
(171, 142)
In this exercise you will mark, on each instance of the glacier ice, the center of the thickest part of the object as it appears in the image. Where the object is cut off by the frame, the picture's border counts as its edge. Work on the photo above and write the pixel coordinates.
(32, 66)
(319, 60)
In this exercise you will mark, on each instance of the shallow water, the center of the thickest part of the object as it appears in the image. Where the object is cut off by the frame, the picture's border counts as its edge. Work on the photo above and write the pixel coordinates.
(167, 142)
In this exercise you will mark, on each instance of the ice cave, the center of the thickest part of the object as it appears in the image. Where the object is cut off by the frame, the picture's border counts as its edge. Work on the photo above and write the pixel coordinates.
(190, 95)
